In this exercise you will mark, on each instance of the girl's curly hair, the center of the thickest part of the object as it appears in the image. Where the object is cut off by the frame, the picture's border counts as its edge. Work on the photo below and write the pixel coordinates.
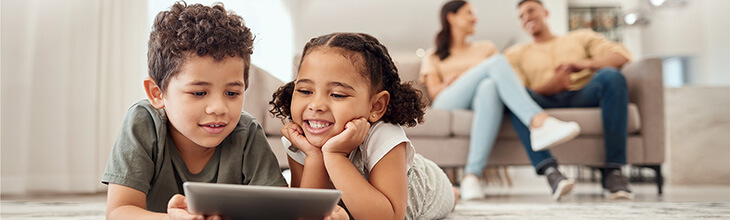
(406, 106)
(185, 30)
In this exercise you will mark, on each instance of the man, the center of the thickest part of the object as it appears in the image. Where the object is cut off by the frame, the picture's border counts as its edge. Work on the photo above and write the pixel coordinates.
(579, 69)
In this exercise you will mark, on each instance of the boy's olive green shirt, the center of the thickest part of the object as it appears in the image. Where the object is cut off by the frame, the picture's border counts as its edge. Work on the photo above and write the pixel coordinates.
(145, 157)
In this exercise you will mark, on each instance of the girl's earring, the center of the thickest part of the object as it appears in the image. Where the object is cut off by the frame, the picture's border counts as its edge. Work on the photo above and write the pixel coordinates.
(374, 116)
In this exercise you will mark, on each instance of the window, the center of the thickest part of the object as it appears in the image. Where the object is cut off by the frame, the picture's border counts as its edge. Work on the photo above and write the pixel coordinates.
(675, 69)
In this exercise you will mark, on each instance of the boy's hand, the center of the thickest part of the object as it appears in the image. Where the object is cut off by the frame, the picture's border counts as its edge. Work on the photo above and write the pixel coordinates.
(293, 132)
(177, 208)
(338, 214)
(346, 141)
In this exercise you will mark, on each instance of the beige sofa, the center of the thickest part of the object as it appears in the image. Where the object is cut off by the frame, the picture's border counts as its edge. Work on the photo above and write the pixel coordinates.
(444, 137)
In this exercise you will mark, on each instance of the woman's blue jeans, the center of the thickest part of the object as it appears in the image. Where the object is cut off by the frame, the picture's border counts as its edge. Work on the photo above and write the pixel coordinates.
(606, 89)
(486, 89)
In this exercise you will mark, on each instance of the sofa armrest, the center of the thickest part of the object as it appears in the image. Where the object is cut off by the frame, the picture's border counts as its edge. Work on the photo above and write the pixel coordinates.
(261, 85)
(646, 90)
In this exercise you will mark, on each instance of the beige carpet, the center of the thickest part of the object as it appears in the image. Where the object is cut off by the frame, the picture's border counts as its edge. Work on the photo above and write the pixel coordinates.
(51, 210)
(603, 210)
(11, 210)
(519, 202)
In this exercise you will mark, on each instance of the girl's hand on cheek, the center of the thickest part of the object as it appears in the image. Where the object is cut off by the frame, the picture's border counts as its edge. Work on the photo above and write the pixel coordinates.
(293, 132)
(346, 141)
(338, 214)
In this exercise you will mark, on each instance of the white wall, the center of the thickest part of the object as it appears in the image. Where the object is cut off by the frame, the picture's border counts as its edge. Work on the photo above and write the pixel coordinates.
(403, 26)
(558, 16)
(717, 44)
(270, 22)
(700, 30)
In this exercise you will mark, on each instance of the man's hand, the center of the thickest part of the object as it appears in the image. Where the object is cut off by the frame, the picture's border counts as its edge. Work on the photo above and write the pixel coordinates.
(177, 208)
(576, 66)
(294, 133)
(346, 141)
(560, 82)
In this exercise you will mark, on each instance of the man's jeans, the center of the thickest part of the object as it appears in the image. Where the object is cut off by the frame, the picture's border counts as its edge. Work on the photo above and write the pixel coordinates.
(606, 89)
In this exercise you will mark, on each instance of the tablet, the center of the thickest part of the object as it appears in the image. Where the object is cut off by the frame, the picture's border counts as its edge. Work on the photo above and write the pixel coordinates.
(233, 201)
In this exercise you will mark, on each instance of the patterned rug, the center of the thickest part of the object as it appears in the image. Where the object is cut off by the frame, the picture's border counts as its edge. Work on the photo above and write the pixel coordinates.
(465, 210)
(602, 210)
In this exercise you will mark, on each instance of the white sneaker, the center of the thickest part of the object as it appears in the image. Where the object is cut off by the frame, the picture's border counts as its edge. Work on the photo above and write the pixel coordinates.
(553, 132)
(471, 188)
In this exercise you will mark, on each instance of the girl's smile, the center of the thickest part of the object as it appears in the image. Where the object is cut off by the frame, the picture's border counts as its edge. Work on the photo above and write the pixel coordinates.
(316, 127)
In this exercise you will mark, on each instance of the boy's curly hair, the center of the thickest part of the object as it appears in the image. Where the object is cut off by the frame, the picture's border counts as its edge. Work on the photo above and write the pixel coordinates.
(187, 30)
(406, 106)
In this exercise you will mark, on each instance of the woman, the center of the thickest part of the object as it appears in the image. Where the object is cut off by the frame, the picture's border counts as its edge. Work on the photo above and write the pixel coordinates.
(473, 75)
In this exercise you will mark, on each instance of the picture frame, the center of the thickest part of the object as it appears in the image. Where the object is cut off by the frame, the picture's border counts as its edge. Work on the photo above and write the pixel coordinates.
(603, 20)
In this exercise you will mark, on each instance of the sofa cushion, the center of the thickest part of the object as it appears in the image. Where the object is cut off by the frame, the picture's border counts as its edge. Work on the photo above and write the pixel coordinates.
(259, 84)
(408, 70)
(589, 120)
(273, 125)
(256, 99)
(278, 148)
(436, 124)
(461, 122)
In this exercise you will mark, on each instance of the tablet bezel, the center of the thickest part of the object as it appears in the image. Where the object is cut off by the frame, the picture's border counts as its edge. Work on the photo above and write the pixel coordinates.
(259, 202)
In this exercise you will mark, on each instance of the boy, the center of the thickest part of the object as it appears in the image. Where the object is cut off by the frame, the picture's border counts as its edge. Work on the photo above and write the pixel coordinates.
(191, 127)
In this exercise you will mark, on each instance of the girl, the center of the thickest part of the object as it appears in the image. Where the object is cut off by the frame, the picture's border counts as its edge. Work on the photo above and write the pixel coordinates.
(473, 75)
(346, 108)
